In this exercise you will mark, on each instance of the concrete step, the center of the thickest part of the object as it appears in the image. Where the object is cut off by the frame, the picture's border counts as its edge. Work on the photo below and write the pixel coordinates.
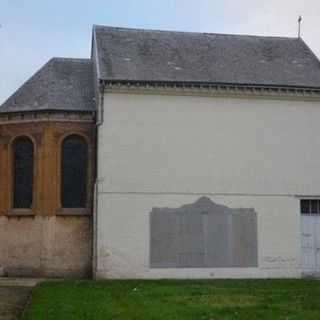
(19, 282)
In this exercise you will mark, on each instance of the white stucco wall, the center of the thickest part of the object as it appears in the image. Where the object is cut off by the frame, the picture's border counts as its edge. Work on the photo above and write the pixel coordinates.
(167, 151)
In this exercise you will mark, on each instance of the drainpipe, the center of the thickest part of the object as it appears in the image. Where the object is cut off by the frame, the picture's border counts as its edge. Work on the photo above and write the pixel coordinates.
(99, 122)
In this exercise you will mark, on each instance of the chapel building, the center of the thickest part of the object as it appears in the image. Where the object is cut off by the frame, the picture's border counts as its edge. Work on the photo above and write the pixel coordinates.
(164, 155)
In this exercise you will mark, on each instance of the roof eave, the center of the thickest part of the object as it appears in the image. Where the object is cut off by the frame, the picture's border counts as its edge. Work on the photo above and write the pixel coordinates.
(205, 84)
(214, 89)
(43, 111)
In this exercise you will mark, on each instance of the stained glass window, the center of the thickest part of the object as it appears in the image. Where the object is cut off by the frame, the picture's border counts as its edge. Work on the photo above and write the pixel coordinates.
(22, 173)
(74, 172)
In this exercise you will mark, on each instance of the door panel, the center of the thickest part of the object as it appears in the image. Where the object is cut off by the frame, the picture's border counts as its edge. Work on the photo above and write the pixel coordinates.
(308, 232)
(317, 242)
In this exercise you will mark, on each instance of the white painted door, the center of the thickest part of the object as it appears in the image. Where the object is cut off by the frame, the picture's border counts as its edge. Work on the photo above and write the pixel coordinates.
(317, 240)
(310, 233)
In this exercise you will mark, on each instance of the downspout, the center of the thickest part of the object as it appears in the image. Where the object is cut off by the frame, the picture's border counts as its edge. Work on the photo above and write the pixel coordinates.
(99, 122)
(102, 87)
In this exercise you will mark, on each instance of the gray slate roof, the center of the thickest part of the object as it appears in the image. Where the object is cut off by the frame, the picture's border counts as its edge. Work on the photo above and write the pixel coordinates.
(170, 57)
(61, 84)
(166, 56)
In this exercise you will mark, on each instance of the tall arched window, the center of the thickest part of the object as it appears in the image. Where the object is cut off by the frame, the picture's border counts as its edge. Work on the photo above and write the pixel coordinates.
(74, 167)
(22, 173)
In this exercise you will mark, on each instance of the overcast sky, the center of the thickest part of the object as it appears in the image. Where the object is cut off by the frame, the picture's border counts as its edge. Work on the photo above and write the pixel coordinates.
(33, 31)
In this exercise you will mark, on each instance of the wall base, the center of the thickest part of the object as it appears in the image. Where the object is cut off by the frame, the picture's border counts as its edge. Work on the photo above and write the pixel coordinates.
(46, 246)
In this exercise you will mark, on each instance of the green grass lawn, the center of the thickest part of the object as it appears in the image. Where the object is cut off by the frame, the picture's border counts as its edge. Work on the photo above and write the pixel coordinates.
(199, 300)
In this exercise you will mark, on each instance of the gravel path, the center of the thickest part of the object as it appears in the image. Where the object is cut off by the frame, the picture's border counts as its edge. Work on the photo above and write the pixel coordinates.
(13, 301)
(14, 295)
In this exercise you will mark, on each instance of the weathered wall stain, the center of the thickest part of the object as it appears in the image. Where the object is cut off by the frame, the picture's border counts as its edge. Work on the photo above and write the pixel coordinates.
(43, 246)
(203, 234)
(278, 262)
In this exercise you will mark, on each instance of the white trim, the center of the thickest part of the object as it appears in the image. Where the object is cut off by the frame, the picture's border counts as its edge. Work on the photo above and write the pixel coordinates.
(96, 57)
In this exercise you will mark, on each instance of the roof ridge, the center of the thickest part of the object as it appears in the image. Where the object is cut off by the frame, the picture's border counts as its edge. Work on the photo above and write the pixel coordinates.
(95, 26)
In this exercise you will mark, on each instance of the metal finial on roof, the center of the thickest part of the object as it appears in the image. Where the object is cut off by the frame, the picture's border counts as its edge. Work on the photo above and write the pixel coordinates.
(299, 22)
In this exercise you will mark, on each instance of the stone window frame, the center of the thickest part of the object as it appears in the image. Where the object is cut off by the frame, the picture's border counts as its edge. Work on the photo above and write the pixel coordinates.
(22, 211)
(88, 208)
